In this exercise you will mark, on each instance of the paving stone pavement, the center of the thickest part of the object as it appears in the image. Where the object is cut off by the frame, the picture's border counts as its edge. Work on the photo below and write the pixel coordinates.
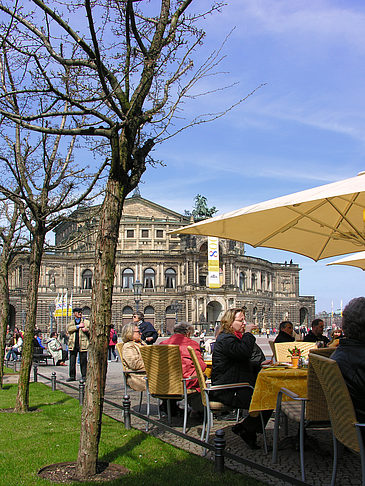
(318, 456)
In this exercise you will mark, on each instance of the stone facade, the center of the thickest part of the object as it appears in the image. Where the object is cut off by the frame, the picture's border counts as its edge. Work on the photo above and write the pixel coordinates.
(173, 270)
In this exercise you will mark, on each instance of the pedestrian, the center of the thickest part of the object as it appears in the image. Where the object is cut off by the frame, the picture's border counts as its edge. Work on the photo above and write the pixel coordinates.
(78, 330)
(113, 339)
(148, 332)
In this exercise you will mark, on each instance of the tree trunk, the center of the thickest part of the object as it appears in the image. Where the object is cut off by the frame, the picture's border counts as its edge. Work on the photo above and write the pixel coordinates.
(4, 313)
(36, 252)
(102, 292)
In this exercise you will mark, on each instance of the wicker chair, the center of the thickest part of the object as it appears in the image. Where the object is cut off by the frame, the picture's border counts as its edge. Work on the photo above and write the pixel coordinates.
(309, 412)
(345, 427)
(165, 377)
(281, 350)
(211, 406)
(125, 374)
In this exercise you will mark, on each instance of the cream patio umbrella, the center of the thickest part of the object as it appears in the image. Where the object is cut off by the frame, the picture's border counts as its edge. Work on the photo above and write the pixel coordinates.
(321, 222)
(357, 260)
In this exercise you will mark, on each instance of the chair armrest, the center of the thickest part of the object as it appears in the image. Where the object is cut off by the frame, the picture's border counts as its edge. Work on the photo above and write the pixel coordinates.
(228, 386)
(359, 425)
(135, 372)
(190, 378)
(291, 394)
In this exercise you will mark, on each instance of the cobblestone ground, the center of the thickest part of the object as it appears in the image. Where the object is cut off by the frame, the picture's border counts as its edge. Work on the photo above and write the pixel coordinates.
(318, 454)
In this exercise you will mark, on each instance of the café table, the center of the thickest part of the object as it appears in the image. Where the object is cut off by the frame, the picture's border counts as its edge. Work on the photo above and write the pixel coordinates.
(208, 369)
(269, 382)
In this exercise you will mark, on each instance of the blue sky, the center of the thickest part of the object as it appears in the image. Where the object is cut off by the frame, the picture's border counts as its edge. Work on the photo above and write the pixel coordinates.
(304, 128)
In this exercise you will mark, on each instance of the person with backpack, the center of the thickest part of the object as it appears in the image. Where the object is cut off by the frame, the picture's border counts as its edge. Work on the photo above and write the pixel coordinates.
(113, 339)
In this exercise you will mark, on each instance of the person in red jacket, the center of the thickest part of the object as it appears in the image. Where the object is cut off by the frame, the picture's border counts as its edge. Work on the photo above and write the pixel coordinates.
(181, 337)
(113, 339)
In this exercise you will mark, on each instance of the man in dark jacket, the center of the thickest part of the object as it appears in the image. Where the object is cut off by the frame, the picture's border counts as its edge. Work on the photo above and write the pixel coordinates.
(285, 333)
(148, 332)
(350, 354)
(316, 333)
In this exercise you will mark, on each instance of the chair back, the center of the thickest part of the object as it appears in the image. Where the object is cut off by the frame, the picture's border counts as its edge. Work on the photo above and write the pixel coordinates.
(199, 373)
(119, 347)
(340, 406)
(164, 369)
(272, 347)
(316, 408)
(281, 349)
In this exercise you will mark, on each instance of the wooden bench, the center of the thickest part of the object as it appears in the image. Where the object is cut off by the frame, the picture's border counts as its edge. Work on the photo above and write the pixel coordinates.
(42, 358)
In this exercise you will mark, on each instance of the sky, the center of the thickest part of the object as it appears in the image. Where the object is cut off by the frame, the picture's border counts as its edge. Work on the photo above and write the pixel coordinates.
(303, 128)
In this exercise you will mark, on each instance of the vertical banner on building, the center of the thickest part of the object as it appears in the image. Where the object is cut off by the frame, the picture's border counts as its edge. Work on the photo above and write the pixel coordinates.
(213, 263)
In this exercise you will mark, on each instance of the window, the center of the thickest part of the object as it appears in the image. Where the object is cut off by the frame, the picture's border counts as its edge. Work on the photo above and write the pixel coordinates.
(144, 233)
(87, 279)
(159, 233)
(254, 281)
(127, 311)
(149, 310)
(242, 282)
(170, 278)
(149, 278)
(127, 278)
(130, 233)
(86, 312)
(202, 280)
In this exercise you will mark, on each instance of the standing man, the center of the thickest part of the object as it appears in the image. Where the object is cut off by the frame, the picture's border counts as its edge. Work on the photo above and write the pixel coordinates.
(78, 330)
(148, 332)
(316, 333)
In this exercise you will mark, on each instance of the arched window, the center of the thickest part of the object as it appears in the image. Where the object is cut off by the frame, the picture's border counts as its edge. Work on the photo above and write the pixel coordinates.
(87, 279)
(149, 278)
(128, 278)
(254, 281)
(170, 278)
(149, 310)
(127, 311)
(242, 282)
(86, 311)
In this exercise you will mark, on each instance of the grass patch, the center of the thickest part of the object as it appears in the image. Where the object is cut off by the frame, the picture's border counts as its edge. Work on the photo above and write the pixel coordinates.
(9, 371)
(51, 435)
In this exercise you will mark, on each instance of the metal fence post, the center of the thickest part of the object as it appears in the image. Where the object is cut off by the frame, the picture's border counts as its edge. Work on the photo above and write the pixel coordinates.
(219, 444)
(35, 373)
(81, 391)
(127, 411)
(53, 381)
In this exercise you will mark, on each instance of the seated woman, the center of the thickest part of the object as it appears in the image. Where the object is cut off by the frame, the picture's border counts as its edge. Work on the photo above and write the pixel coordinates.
(15, 351)
(54, 346)
(131, 356)
(237, 358)
(350, 354)
(336, 334)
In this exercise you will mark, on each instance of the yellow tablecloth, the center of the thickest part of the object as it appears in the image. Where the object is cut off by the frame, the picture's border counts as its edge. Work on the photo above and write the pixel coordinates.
(208, 369)
(270, 381)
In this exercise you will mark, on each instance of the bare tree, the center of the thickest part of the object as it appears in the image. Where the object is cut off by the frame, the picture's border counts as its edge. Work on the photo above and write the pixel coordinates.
(11, 242)
(129, 67)
(48, 185)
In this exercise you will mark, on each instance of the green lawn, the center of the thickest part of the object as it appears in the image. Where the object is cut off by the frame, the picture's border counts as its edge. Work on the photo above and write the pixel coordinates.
(51, 434)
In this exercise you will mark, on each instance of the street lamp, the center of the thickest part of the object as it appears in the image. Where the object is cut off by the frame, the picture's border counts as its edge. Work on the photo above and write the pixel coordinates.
(137, 291)
(176, 307)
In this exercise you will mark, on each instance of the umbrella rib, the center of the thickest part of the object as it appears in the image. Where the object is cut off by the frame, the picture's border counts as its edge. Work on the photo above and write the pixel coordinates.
(292, 223)
(334, 229)
(343, 217)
